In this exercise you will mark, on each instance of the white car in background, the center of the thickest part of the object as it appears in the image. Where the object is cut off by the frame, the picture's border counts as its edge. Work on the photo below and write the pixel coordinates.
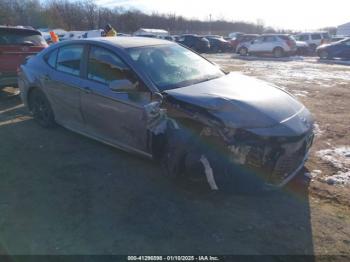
(314, 39)
(94, 33)
(277, 45)
(73, 35)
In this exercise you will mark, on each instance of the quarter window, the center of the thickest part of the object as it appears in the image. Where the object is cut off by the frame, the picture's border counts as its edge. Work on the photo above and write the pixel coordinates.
(68, 59)
(105, 67)
(51, 58)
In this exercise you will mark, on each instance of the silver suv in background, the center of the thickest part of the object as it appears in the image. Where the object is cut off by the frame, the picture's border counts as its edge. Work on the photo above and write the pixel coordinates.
(314, 39)
(277, 45)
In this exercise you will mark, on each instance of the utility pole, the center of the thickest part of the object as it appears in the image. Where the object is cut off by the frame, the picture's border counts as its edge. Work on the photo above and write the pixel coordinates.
(209, 24)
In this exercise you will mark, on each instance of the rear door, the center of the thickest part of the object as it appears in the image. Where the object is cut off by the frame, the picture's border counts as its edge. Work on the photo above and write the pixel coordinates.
(63, 83)
(116, 117)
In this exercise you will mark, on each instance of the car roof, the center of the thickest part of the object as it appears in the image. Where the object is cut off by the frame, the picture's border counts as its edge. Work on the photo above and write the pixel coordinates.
(274, 35)
(18, 29)
(309, 33)
(125, 41)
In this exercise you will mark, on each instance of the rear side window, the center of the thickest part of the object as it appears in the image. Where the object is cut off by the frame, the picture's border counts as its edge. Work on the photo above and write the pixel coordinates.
(269, 39)
(21, 37)
(105, 67)
(51, 58)
(315, 36)
(68, 59)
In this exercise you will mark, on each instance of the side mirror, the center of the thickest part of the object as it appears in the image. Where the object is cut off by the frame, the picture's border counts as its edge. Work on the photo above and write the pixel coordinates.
(122, 85)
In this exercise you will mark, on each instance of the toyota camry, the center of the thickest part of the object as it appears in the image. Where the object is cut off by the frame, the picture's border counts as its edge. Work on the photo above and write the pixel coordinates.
(163, 101)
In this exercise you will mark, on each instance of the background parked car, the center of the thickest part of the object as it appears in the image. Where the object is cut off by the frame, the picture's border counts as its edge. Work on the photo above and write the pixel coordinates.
(195, 42)
(271, 44)
(337, 38)
(93, 33)
(15, 45)
(234, 35)
(314, 39)
(303, 48)
(243, 40)
(218, 44)
(340, 49)
(73, 35)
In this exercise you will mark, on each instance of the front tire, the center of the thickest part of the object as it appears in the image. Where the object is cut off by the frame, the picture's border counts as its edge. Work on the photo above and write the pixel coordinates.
(324, 55)
(41, 109)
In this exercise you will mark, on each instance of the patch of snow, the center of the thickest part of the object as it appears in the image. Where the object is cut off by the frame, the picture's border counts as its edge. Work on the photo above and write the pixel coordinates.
(288, 70)
(339, 157)
(317, 130)
(340, 178)
(313, 173)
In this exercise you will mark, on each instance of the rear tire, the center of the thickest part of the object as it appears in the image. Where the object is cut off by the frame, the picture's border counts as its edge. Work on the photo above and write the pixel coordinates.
(41, 109)
(278, 52)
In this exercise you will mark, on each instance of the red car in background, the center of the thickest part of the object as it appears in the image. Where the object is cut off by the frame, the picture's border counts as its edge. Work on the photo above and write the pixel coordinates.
(16, 43)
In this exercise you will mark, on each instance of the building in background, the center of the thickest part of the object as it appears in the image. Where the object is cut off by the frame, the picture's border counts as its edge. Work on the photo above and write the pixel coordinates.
(344, 29)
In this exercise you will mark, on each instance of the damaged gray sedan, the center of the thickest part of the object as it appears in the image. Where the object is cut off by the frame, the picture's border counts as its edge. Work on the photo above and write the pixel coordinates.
(163, 101)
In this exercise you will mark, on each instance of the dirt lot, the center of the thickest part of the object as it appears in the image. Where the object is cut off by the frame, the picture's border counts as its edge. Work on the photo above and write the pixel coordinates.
(62, 193)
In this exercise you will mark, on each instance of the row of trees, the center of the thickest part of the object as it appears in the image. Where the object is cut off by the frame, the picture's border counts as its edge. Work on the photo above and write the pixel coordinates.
(86, 15)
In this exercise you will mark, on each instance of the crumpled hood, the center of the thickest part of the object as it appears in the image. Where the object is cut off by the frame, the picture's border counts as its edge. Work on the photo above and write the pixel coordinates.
(240, 101)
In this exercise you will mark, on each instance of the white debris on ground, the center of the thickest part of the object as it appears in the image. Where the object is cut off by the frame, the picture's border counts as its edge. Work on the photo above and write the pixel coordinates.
(317, 130)
(300, 93)
(339, 157)
(313, 174)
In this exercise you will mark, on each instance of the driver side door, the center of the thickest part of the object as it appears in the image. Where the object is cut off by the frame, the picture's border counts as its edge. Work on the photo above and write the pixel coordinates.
(114, 116)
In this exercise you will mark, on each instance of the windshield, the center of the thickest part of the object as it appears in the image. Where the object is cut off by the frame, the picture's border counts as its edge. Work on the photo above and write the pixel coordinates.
(173, 66)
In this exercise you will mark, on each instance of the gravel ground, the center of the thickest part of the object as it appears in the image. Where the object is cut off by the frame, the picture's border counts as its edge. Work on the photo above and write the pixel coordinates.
(62, 193)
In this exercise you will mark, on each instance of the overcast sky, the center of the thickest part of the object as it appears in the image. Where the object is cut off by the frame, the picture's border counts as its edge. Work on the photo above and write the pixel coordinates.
(281, 14)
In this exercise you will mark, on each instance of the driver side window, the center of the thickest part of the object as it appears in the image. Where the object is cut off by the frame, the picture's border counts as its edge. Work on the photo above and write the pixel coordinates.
(104, 67)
